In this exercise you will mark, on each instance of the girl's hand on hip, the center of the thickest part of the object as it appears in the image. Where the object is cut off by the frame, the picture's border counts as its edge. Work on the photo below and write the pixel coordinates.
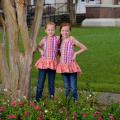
(74, 56)
(41, 52)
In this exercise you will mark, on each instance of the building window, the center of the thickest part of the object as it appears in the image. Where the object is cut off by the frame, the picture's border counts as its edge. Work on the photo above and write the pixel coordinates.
(32, 2)
(119, 2)
(91, 1)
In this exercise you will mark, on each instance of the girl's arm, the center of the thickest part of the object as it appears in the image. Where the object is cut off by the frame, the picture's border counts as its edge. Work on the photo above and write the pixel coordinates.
(81, 47)
(40, 46)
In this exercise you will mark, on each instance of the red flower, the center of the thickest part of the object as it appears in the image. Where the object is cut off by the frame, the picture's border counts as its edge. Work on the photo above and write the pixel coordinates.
(26, 113)
(96, 113)
(41, 116)
(21, 104)
(14, 103)
(100, 118)
(12, 117)
(85, 115)
(37, 108)
(111, 117)
(32, 104)
(2, 109)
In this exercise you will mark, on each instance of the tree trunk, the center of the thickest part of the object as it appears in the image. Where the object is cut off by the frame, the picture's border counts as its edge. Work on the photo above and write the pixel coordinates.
(16, 71)
(72, 11)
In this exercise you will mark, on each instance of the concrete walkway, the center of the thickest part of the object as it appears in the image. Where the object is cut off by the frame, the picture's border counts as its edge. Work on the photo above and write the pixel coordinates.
(101, 22)
(108, 98)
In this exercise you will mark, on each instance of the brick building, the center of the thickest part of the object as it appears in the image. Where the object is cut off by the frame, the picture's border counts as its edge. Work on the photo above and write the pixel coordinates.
(95, 11)
(102, 13)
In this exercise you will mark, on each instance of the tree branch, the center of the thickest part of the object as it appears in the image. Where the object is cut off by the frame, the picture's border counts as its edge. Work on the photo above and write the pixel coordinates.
(10, 15)
(12, 32)
(21, 14)
(37, 21)
(4, 67)
(71, 10)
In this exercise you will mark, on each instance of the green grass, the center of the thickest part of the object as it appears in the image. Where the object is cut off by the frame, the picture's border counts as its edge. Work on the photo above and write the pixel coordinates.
(100, 64)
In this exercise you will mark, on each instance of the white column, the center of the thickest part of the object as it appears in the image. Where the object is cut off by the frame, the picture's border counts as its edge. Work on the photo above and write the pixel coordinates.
(32, 2)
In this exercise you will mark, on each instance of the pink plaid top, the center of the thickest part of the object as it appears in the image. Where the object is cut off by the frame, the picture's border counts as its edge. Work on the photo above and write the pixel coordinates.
(67, 64)
(49, 57)
(67, 51)
(50, 48)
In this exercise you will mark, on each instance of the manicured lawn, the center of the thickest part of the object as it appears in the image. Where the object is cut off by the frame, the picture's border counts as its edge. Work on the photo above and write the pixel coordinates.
(100, 64)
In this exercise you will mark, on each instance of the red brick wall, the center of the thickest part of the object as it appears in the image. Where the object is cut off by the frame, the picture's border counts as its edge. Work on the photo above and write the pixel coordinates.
(103, 12)
(116, 2)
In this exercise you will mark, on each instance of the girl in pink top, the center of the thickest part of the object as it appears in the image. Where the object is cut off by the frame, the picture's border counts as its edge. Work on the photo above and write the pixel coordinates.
(68, 66)
(48, 47)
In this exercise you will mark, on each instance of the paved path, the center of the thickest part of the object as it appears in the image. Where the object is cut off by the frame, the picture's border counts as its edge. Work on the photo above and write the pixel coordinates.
(108, 98)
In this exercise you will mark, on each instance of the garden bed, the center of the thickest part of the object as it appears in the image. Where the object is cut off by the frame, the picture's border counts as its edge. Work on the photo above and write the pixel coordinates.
(87, 108)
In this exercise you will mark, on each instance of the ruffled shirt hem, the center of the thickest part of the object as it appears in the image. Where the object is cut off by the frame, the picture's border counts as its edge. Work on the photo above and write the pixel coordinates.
(68, 68)
(43, 63)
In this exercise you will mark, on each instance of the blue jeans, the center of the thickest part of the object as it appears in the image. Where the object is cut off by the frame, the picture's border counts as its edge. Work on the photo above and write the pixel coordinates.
(70, 83)
(41, 81)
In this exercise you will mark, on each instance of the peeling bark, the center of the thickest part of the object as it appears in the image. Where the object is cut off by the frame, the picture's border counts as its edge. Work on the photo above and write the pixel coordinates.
(16, 69)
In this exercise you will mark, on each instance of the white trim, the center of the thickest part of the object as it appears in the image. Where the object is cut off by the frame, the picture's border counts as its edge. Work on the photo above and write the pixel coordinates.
(103, 5)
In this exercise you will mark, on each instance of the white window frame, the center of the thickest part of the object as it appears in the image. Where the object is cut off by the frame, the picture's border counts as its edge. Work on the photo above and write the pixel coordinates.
(32, 2)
